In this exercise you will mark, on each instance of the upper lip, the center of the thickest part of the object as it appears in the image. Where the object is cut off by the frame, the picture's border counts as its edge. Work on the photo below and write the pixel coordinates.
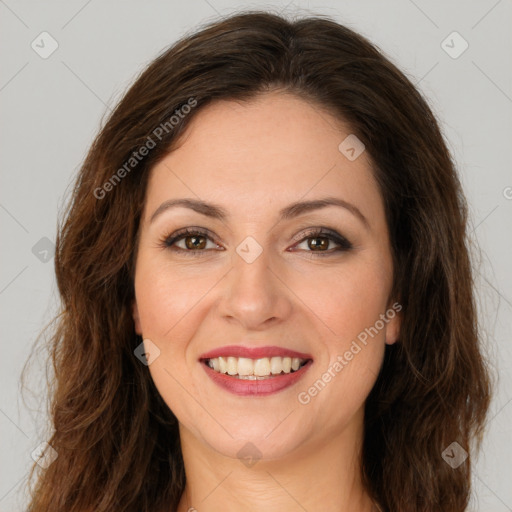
(253, 352)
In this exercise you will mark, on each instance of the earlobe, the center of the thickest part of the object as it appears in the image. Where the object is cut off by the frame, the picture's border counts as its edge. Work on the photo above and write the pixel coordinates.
(136, 319)
(394, 323)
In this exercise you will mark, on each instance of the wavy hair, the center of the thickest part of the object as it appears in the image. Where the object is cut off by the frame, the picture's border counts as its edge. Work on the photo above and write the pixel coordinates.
(117, 441)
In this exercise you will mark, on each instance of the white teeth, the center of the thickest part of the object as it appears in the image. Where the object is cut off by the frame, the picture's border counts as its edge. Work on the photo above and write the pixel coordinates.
(262, 367)
(245, 366)
(254, 369)
(232, 366)
(275, 365)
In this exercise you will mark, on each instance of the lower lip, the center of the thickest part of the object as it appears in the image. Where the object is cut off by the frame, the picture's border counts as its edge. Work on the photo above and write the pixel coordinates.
(262, 387)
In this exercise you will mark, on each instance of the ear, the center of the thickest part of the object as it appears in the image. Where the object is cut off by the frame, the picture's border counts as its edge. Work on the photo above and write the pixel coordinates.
(394, 323)
(136, 318)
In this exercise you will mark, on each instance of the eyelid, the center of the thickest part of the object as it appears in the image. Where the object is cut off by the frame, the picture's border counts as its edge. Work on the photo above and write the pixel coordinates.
(315, 231)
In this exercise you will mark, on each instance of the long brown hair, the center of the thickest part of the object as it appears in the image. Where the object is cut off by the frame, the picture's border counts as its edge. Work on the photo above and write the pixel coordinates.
(117, 441)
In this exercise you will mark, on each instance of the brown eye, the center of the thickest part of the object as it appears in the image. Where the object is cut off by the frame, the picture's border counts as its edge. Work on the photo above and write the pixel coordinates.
(318, 243)
(189, 242)
(194, 242)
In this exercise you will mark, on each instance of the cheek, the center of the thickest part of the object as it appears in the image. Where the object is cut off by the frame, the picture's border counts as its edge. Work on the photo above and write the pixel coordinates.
(170, 309)
(173, 302)
(347, 304)
(168, 300)
(348, 299)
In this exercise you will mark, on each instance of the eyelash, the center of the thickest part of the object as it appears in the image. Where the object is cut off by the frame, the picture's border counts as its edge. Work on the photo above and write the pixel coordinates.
(344, 245)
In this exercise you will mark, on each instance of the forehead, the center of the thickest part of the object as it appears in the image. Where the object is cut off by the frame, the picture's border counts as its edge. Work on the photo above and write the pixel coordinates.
(264, 153)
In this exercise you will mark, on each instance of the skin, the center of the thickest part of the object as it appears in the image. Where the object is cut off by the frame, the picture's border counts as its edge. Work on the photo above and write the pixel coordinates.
(253, 159)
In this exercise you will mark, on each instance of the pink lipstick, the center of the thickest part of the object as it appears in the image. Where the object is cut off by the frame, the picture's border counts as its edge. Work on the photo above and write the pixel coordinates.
(255, 371)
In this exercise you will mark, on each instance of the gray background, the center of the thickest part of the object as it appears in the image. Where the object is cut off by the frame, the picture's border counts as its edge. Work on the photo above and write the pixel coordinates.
(51, 108)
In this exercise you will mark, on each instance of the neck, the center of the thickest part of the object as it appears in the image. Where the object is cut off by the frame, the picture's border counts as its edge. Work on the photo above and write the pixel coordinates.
(324, 474)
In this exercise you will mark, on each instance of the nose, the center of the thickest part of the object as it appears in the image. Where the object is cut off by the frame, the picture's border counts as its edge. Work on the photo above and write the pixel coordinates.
(254, 293)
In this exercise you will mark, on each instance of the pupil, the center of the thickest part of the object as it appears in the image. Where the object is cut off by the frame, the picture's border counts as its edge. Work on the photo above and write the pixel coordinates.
(194, 245)
(314, 243)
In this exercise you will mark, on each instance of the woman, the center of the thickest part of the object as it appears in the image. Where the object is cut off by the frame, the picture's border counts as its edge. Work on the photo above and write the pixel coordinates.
(267, 293)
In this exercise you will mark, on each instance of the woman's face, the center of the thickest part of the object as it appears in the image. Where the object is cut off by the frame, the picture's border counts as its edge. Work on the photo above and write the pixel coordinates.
(262, 288)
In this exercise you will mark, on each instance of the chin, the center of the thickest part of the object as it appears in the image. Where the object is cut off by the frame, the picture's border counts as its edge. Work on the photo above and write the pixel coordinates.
(251, 438)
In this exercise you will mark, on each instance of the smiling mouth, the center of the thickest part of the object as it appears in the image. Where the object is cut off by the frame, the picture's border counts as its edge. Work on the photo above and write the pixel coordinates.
(255, 369)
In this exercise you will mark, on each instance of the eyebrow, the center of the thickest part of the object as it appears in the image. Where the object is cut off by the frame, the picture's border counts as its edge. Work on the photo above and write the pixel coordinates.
(293, 210)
